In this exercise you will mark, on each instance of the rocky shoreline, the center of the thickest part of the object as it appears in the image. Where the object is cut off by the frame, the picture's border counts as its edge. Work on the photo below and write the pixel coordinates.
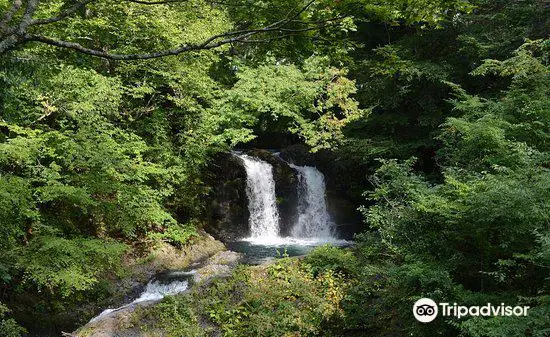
(122, 322)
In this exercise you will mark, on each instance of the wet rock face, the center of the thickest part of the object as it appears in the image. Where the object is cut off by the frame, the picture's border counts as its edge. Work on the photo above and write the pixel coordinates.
(228, 211)
(299, 155)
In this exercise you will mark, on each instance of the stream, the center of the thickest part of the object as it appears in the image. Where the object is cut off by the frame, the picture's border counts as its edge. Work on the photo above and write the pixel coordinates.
(161, 285)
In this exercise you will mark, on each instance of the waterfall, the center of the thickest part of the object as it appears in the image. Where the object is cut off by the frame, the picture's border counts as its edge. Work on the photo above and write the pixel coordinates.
(313, 220)
(262, 203)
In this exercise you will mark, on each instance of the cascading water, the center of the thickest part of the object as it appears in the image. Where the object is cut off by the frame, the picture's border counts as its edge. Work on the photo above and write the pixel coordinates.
(312, 228)
(262, 203)
(172, 283)
(156, 290)
(313, 220)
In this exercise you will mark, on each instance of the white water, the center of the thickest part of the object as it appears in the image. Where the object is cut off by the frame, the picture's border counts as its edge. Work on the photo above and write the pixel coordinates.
(313, 220)
(313, 226)
(155, 291)
(262, 203)
(292, 241)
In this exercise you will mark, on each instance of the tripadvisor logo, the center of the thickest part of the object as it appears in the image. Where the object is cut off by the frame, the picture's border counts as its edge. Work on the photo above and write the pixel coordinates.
(426, 310)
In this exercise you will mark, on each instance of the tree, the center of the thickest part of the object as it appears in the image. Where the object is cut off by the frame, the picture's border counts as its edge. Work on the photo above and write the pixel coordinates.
(22, 23)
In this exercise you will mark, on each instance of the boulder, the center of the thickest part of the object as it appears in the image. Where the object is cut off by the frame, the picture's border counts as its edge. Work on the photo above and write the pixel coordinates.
(219, 265)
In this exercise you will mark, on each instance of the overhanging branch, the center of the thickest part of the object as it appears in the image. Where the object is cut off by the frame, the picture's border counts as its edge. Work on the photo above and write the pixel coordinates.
(19, 33)
(210, 43)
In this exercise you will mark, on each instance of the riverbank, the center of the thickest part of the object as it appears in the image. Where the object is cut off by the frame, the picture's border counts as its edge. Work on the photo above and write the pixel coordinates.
(161, 257)
(275, 298)
(122, 321)
(113, 288)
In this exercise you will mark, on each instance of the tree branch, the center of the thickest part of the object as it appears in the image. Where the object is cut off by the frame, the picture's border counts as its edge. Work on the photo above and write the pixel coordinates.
(212, 42)
(29, 11)
(12, 35)
(93, 52)
(18, 34)
(15, 6)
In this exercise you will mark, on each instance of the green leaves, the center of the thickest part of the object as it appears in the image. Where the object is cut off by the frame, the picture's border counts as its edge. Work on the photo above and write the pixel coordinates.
(528, 59)
(482, 222)
(314, 102)
(506, 132)
(80, 93)
(417, 11)
(67, 266)
(535, 323)
(8, 326)
(177, 235)
(97, 174)
(17, 213)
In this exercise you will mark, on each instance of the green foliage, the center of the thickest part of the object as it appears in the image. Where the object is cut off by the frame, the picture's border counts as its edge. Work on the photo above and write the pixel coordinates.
(418, 11)
(325, 258)
(510, 132)
(66, 266)
(313, 102)
(177, 235)
(282, 299)
(17, 209)
(477, 233)
(534, 324)
(8, 326)
(178, 316)
(96, 173)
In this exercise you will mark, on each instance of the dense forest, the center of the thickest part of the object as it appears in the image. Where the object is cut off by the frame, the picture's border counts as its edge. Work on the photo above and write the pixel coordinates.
(113, 116)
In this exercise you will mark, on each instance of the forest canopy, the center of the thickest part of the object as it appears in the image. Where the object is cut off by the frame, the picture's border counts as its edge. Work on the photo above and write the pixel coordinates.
(112, 114)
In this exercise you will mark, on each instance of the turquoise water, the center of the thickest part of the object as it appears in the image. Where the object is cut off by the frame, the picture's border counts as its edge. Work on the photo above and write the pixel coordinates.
(260, 251)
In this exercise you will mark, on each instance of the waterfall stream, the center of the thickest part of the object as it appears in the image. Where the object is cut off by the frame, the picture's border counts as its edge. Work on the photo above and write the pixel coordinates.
(313, 225)
(313, 220)
(262, 202)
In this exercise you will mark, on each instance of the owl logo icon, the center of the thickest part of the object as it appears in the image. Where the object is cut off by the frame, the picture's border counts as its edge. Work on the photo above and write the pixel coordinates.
(425, 310)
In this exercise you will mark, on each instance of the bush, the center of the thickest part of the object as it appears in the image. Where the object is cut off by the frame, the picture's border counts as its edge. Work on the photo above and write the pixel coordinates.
(67, 266)
(330, 258)
(8, 326)
(282, 299)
